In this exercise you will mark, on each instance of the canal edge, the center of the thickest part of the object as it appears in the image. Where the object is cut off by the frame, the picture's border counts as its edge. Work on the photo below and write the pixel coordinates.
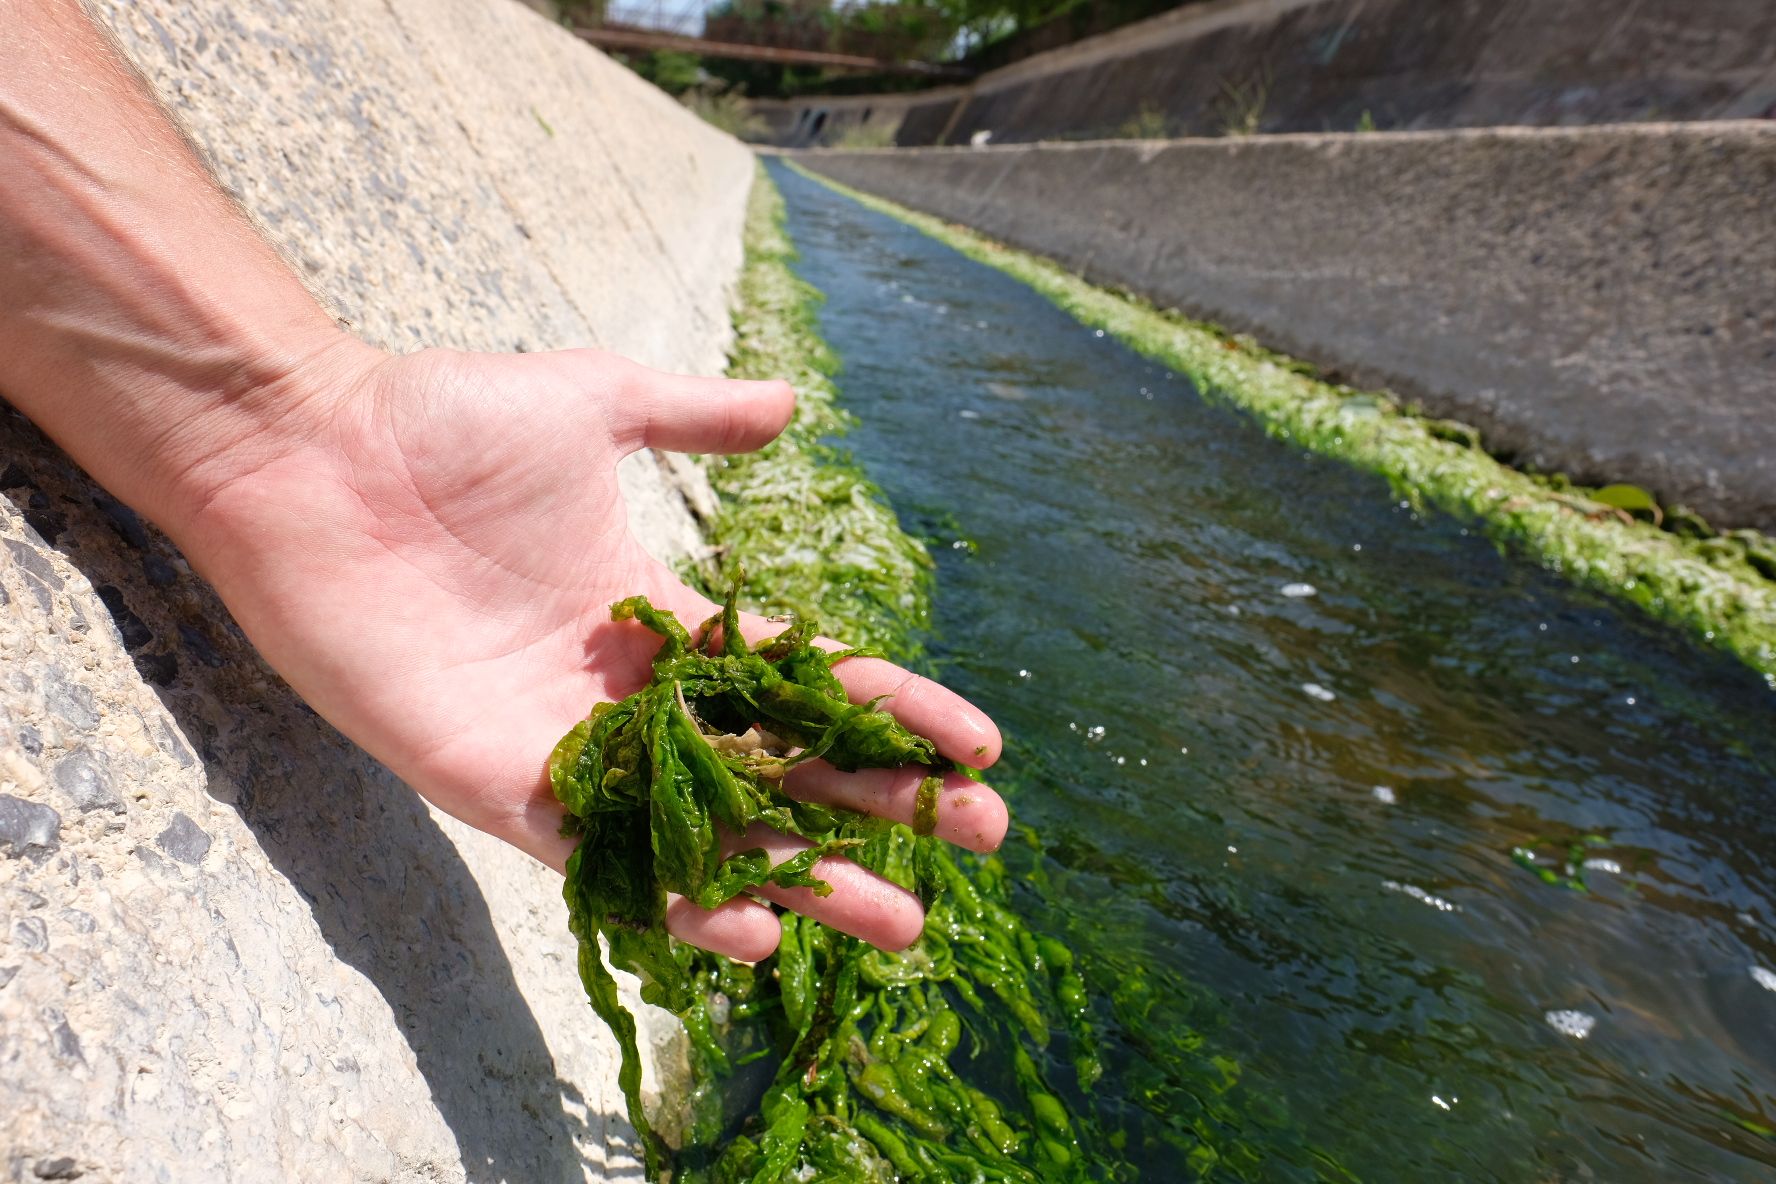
(1706, 587)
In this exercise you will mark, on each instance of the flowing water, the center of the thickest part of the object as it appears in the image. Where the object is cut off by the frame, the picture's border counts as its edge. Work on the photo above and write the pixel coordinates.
(1305, 763)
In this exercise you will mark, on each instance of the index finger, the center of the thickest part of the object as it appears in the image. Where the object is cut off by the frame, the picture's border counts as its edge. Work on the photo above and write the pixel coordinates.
(960, 730)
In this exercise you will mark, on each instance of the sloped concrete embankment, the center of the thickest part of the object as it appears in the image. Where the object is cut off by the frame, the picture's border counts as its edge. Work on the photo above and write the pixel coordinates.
(1331, 65)
(232, 947)
(1596, 301)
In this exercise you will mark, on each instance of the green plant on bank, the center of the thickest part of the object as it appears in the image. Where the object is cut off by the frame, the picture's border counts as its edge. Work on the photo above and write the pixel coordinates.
(1719, 588)
(1241, 106)
(1147, 124)
(881, 1059)
(1366, 121)
(724, 108)
(673, 71)
(879, 134)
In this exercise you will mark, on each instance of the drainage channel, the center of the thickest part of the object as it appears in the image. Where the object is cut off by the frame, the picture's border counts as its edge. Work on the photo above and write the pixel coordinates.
(1420, 861)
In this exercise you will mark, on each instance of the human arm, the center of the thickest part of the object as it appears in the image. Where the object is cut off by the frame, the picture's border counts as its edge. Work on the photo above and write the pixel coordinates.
(425, 547)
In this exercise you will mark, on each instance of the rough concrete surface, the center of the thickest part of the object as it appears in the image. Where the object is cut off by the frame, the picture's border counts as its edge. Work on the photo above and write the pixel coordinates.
(1597, 301)
(1323, 65)
(233, 947)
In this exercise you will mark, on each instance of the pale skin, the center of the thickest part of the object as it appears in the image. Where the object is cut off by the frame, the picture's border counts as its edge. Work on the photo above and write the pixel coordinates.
(424, 546)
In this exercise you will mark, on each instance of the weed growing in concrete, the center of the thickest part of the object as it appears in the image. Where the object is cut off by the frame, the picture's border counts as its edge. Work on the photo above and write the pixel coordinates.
(724, 109)
(1148, 124)
(1240, 110)
(879, 134)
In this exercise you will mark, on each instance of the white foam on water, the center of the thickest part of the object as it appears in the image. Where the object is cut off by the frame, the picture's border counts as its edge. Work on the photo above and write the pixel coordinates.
(1318, 692)
(1299, 591)
(1576, 1024)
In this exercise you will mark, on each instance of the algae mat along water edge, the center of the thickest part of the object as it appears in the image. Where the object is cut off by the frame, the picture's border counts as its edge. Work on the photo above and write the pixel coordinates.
(1720, 588)
(969, 1056)
(1448, 869)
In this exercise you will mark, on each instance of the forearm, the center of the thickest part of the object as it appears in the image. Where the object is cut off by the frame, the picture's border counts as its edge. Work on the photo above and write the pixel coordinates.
(144, 324)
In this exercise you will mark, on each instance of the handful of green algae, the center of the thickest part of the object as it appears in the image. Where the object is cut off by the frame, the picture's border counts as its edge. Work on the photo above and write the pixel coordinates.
(647, 781)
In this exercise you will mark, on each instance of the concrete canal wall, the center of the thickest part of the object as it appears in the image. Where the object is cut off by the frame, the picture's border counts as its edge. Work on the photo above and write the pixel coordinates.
(232, 947)
(1597, 301)
(1331, 65)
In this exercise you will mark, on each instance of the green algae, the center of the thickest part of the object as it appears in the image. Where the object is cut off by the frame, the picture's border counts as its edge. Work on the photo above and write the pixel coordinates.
(817, 537)
(871, 1048)
(651, 782)
(971, 1055)
(1720, 589)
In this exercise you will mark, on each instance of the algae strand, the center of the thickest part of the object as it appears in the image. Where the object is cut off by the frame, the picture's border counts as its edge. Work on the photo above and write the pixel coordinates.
(650, 783)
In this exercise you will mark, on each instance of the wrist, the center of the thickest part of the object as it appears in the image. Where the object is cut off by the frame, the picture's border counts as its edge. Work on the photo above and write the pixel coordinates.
(278, 416)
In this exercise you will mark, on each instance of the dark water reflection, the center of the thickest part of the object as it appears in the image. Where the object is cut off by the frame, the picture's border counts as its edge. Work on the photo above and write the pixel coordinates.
(1300, 812)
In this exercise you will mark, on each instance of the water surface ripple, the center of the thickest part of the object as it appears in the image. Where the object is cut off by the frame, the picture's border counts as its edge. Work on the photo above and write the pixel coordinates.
(1280, 737)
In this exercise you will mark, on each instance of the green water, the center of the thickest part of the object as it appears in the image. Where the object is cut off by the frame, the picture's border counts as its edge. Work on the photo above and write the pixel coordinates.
(1287, 821)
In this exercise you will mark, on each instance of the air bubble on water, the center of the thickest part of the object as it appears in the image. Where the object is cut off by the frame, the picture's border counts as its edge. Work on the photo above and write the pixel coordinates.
(1023, 674)
(1143, 762)
(1097, 332)
(1122, 760)
(1232, 850)
(1095, 732)
(1543, 626)
(980, 324)
(968, 413)
(1576, 1024)
(1385, 795)
(1630, 700)
(1185, 751)
(1318, 692)
(1072, 727)
(1233, 610)
(1298, 591)
(1603, 865)
(1575, 659)
(1440, 1102)
(1764, 978)
(1356, 546)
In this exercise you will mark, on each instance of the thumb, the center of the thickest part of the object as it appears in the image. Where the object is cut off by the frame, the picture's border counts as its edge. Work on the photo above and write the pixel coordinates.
(681, 413)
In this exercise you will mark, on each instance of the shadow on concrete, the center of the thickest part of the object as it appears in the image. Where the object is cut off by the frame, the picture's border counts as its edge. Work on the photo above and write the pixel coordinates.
(387, 888)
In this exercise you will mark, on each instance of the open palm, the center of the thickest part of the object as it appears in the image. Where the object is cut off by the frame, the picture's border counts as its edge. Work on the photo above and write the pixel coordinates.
(432, 570)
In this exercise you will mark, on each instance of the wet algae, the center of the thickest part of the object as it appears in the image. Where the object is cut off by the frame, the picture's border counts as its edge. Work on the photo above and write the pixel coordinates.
(974, 1054)
(647, 782)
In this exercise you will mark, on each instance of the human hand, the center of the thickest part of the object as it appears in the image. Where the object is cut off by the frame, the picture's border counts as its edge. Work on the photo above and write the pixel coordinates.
(426, 548)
